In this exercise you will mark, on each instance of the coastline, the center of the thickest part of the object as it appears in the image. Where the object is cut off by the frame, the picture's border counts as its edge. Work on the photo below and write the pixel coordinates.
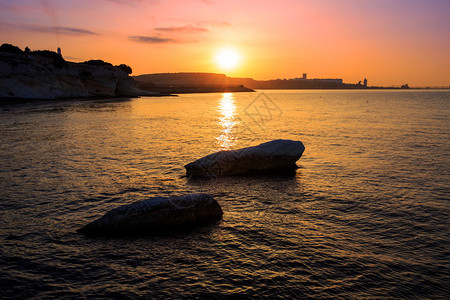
(44, 75)
(12, 100)
(199, 89)
(174, 93)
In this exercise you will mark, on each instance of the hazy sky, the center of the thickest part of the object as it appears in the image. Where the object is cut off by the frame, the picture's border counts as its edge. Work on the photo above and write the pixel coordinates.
(390, 42)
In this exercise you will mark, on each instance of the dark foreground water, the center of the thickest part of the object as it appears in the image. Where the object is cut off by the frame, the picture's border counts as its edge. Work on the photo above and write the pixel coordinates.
(366, 215)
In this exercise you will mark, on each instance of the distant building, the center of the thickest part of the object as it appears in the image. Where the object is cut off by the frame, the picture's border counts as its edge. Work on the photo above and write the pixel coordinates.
(365, 82)
(59, 51)
(405, 86)
(304, 75)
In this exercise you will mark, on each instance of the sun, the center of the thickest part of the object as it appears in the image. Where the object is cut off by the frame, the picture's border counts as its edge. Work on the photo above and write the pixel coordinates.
(227, 58)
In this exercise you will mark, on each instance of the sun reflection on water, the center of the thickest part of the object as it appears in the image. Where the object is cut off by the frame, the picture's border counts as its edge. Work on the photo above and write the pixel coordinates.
(227, 121)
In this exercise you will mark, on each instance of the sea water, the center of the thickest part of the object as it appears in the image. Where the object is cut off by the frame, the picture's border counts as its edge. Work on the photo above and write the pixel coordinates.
(366, 215)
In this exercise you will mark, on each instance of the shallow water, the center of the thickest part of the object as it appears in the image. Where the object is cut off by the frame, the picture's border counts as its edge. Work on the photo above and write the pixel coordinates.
(365, 216)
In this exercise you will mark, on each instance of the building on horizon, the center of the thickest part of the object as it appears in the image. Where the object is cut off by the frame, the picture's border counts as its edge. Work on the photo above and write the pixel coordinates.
(365, 82)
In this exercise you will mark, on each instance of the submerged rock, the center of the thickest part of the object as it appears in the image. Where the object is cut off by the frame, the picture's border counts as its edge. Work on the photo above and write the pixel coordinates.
(271, 156)
(157, 214)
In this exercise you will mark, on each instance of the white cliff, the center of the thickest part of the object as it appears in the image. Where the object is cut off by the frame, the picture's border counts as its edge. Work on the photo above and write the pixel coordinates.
(28, 76)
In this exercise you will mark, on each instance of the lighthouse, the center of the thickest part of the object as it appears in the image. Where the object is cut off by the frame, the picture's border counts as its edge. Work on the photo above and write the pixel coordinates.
(59, 51)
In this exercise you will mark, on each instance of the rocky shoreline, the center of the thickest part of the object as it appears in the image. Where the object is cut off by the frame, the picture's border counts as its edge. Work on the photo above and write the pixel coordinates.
(45, 75)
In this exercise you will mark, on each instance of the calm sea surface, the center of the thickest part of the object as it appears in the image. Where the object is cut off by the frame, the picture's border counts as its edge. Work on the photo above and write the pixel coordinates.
(366, 215)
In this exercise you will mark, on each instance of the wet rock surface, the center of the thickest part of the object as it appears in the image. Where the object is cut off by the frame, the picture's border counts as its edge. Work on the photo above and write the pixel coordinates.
(277, 155)
(157, 214)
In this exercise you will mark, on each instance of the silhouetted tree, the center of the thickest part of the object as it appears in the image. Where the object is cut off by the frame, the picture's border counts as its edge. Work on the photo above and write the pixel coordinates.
(97, 62)
(125, 68)
(27, 50)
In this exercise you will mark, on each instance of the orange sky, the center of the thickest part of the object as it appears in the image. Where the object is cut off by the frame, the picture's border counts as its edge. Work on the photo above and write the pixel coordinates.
(391, 42)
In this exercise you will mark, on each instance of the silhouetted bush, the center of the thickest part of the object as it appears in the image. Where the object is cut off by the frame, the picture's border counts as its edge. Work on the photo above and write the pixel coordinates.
(58, 61)
(97, 62)
(10, 49)
(125, 68)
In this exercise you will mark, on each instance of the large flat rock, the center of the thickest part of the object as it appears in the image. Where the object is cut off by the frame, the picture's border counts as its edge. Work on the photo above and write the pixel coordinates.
(157, 214)
(274, 155)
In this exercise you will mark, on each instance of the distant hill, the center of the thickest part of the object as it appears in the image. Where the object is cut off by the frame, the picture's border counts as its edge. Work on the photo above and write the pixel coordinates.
(189, 83)
(207, 82)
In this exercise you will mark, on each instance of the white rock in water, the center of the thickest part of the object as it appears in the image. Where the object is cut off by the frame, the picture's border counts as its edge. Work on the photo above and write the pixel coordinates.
(273, 155)
(157, 214)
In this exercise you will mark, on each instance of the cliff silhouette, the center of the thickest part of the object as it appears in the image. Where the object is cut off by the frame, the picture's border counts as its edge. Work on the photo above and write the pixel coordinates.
(44, 74)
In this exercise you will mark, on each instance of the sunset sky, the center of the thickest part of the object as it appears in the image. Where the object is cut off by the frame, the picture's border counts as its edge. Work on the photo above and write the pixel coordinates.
(391, 42)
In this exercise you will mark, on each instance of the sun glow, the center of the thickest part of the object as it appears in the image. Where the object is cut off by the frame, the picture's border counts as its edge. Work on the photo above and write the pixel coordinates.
(227, 58)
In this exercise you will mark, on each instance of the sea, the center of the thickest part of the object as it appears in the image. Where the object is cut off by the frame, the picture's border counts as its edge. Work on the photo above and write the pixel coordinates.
(365, 216)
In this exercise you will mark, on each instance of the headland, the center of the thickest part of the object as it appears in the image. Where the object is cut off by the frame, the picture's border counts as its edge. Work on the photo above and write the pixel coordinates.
(46, 74)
